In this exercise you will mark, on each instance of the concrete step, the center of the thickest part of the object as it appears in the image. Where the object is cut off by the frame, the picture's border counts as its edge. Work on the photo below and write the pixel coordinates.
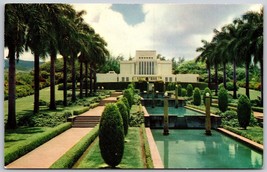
(86, 121)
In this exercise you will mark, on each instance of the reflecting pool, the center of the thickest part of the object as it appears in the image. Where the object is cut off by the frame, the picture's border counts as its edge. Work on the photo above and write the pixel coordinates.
(192, 149)
(181, 111)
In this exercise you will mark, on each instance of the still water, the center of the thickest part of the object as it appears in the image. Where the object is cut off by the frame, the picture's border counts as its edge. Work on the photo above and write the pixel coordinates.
(181, 111)
(192, 149)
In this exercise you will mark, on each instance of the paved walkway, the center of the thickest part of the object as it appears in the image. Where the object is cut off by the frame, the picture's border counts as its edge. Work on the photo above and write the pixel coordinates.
(45, 155)
(97, 111)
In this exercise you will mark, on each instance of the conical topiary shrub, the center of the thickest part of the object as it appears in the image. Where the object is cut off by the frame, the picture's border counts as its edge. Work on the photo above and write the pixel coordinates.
(111, 135)
(243, 111)
(124, 115)
(196, 97)
(223, 99)
(189, 90)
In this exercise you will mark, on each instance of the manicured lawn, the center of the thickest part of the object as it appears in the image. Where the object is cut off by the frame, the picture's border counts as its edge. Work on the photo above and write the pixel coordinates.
(132, 157)
(253, 133)
(252, 93)
(17, 136)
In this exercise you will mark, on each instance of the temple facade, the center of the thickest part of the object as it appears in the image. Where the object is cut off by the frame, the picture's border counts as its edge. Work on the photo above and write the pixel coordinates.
(146, 66)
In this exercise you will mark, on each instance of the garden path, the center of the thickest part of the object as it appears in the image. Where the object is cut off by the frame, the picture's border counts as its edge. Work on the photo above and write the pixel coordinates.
(45, 155)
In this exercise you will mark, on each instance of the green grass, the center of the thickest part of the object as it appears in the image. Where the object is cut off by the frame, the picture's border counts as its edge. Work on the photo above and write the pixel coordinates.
(253, 133)
(252, 93)
(132, 157)
(23, 144)
(72, 155)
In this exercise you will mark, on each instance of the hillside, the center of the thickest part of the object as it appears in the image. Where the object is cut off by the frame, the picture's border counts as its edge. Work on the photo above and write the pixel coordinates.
(22, 65)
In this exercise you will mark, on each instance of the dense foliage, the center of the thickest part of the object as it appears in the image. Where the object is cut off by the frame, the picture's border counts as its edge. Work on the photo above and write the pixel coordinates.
(128, 94)
(189, 90)
(223, 99)
(124, 114)
(196, 97)
(244, 111)
(111, 135)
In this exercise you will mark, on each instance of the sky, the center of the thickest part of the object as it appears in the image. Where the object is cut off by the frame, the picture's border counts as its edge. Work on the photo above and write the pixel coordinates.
(173, 30)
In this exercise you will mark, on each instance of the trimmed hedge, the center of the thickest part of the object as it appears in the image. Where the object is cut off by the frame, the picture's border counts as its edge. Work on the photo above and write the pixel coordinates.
(15, 152)
(124, 114)
(223, 99)
(243, 111)
(196, 97)
(189, 89)
(80, 111)
(71, 156)
(69, 86)
(149, 161)
(111, 135)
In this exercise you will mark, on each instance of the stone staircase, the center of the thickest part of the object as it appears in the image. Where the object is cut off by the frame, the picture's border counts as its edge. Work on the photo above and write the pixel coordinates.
(115, 94)
(85, 121)
(111, 99)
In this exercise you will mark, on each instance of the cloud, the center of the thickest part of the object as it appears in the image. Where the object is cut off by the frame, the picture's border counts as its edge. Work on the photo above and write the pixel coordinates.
(173, 30)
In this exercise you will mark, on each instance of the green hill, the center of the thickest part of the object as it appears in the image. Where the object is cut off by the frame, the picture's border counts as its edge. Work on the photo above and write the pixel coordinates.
(22, 65)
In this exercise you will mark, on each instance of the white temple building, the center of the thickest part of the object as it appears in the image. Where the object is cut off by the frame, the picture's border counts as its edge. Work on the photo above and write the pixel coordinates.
(146, 66)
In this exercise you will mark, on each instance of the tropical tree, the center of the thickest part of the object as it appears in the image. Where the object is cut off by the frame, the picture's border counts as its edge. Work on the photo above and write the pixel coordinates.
(253, 28)
(205, 57)
(14, 39)
(37, 40)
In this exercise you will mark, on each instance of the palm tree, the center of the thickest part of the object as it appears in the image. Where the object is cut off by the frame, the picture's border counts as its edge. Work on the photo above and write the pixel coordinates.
(205, 57)
(14, 37)
(253, 26)
(38, 38)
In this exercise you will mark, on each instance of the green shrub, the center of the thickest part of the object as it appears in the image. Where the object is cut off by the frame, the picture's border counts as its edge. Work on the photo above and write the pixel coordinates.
(207, 90)
(189, 90)
(80, 111)
(171, 86)
(93, 105)
(257, 109)
(71, 156)
(244, 111)
(69, 86)
(196, 97)
(111, 135)
(183, 92)
(14, 152)
(128, 93)
(124, 115)
(125, 101)
(230, 86)
(223, 99)
(179, 90)
(149, 161)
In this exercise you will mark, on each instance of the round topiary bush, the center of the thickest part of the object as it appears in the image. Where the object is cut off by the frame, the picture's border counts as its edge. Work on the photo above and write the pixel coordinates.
(207, 90)
(197, 97)
(189, 90)
(124, 115)
(128, 93)
(223, 99)
(111, 135)
(183, 92)
(243, 111)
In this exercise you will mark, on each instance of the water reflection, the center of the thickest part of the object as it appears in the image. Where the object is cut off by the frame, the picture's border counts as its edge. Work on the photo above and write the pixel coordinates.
(192, 149)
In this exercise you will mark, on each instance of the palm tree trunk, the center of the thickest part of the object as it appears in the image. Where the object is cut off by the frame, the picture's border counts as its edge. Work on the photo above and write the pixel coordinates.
(247, 78)
(261, 64)
(65, 103)
(91, 81)
(52, 105)
(73, 98)
(86, 79)
(234, 79)
(36, 83)
(81, 79)
(216, 79)
(224, 75)
(209, 75)
(11, 119)
(94, 81)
